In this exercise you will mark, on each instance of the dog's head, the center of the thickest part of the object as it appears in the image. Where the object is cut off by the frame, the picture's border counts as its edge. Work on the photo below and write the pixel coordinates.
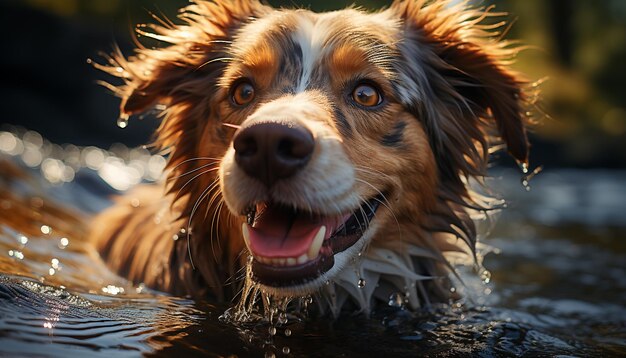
(325, 133)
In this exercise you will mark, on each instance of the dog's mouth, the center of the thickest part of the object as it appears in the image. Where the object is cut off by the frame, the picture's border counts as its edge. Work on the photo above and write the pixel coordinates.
(292, 247)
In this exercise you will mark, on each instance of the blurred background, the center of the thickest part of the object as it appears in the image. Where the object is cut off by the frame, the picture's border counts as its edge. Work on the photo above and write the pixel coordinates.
(47, 85)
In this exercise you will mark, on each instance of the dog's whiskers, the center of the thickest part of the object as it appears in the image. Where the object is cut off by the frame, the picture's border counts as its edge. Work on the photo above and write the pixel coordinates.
(219, 59)
(216, 213)
(386, 202)
(370, 170)
(230, 125)
(194, 159)
(192, 171)
(205, 193)
(194, 178)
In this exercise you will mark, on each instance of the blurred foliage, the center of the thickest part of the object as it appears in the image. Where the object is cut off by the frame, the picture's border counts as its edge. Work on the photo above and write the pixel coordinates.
(578, 45)
(581, 49)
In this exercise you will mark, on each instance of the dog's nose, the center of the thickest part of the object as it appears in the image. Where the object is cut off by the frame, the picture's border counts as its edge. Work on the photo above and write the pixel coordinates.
(272, 151)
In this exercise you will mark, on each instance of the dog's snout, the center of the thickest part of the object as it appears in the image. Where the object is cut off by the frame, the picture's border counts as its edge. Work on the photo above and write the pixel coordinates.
(272, 151)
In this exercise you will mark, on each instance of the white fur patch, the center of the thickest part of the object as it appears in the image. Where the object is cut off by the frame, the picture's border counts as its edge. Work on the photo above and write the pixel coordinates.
(310, 35)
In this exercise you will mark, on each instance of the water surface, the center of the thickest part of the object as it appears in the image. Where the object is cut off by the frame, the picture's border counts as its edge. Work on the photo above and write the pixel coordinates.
(557, 284)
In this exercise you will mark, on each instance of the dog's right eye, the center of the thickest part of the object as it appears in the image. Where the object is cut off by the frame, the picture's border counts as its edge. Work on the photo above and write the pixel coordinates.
(366, 95)
(243, 93)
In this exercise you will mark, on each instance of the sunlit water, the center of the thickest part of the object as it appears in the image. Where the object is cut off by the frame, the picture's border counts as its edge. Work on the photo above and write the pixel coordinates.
(557, 285)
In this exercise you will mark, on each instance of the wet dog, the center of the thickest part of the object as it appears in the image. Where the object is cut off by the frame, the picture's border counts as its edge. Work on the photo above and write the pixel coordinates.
(325, 154)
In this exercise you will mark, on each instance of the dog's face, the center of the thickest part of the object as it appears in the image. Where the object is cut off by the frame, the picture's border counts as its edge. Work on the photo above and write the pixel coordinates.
(328, 132)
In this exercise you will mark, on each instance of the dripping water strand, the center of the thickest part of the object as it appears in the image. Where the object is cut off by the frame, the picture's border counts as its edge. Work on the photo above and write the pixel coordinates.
(528, 175)
(122, 121)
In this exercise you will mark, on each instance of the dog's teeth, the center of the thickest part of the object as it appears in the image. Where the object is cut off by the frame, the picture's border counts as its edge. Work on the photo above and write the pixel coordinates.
(316, 245)
(246, 235)
(291, 261)
(302, 259)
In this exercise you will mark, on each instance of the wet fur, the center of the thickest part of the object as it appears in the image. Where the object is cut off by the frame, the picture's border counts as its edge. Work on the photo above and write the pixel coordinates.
(450, 95)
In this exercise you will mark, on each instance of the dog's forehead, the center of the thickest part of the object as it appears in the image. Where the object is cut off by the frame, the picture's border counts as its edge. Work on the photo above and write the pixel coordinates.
(303, 42)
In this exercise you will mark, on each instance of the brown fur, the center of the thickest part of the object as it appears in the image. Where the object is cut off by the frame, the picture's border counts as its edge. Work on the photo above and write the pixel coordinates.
(465, 100)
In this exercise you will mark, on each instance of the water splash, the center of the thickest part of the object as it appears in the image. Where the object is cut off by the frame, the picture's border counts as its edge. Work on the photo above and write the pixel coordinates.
(256, 305)
(397, 300)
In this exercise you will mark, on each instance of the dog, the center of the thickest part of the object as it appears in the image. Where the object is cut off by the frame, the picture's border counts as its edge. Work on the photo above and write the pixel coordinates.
(326, 154)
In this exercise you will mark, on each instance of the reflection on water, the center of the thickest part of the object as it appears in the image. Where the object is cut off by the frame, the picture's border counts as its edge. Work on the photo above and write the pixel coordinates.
(557, 286)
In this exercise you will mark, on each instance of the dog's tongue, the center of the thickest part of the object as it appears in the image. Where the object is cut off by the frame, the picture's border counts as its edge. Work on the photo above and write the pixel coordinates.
(280, 232)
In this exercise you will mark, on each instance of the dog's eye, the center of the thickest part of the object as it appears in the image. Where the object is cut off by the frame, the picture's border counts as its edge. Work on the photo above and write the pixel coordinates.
(366, 95)
(243, 93)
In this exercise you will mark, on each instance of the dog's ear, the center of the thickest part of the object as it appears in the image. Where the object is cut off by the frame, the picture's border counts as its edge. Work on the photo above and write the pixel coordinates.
(153, 75)
(463, 87)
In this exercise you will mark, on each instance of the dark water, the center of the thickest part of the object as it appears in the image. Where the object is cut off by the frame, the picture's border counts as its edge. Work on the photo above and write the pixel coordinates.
(557, 285)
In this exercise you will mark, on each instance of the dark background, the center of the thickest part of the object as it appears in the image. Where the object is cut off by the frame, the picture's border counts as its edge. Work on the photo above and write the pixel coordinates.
(46, 84)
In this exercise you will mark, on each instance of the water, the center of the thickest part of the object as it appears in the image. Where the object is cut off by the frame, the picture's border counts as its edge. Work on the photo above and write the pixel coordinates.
(556, 287)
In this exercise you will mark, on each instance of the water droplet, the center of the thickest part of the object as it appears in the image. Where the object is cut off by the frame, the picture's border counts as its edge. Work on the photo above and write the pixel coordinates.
(286, 350)
(89, 61)
(63, 242)
(122, 122)
(361, 283)
(287, 332)
(22, 239)
(17, 254)
(45, 229)
(485, 276)
(140, 288)
(282, 318)
(51, 271)
(524, 167)
(452, 289)
(396, 300)
(272, 330)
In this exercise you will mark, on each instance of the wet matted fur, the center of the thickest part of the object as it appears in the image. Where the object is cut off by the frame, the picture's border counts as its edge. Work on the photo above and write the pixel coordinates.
(448, 98)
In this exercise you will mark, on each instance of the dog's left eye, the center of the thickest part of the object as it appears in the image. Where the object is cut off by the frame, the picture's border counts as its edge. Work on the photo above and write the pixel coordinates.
(366, 95)
(243, 93)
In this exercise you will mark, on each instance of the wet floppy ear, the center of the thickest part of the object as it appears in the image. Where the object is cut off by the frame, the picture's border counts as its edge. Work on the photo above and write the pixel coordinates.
(490, 90)
(162, 75)
(460, 70)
